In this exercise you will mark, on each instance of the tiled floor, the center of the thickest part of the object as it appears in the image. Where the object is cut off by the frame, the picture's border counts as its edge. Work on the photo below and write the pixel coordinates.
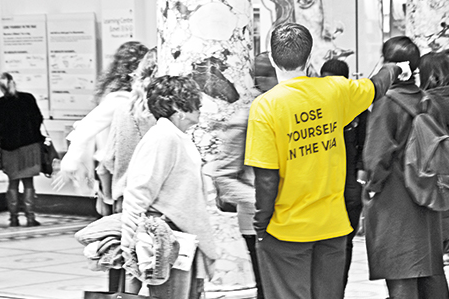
(50, 265)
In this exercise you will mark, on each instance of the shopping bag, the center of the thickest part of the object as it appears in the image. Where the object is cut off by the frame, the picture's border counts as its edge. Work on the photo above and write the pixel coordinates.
(120, 294)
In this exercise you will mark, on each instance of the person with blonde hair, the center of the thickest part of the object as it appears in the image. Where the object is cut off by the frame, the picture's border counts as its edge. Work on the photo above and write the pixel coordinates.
(129, 124)
(113, 88)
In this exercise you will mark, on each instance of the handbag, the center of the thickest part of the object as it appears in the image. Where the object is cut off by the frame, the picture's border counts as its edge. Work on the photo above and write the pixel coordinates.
(120, 294)
(48, 155)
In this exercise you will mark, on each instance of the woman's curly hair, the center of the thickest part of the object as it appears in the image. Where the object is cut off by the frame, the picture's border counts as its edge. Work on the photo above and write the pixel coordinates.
(117, 76)
(168, 94)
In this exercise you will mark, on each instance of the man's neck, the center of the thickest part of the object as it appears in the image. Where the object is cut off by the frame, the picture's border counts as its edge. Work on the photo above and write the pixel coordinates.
(283, 75)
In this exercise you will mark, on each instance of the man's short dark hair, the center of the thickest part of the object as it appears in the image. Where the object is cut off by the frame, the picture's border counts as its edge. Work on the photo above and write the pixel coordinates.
(401, 48)
(291, 45)
(335, 67)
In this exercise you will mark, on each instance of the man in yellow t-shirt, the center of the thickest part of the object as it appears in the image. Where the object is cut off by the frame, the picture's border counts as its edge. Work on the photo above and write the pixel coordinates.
(295, 144)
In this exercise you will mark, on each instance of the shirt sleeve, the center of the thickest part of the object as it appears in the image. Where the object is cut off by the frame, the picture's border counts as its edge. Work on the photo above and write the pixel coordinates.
(261, 150)
(93, 123)
(109, 150)
(360, 97)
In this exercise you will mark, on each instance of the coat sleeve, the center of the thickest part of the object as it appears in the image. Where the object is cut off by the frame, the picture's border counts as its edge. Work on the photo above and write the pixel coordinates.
(381, 143)
(360, 139)
(36, 112)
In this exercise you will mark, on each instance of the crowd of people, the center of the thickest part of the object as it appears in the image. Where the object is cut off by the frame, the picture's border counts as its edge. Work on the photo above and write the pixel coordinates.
(300, 163)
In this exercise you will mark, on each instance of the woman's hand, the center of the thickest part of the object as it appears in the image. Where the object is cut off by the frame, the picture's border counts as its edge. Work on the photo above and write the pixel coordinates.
(78, 176)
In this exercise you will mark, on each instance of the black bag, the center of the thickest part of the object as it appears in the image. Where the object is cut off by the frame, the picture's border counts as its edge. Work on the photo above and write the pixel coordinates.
(48, 155)
(426, 167)
(120, 294)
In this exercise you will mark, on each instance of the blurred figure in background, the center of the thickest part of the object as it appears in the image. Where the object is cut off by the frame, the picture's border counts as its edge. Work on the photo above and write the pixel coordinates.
(113, 88)
(232, 178)
(130, 122)
(20, 143)
(354, 135)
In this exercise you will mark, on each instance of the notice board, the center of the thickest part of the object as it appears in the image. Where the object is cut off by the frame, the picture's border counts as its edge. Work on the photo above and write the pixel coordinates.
(24, 55)
(72, 64)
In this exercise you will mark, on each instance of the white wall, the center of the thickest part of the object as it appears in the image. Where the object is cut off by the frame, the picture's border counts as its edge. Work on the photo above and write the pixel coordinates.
(146, 31)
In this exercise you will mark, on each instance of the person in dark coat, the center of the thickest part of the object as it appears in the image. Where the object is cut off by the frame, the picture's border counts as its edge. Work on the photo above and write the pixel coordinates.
(354, 135)
(434, 78)
(403, 240)
(20, 143)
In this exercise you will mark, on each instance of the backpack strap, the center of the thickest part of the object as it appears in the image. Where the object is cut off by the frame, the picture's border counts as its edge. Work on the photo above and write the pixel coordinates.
(404, 102)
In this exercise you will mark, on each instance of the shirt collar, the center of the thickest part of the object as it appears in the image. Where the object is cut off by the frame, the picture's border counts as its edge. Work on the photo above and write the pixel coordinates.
(167, 124)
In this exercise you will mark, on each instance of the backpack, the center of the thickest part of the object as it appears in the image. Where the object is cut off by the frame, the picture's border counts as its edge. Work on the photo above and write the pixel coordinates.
(426, 162)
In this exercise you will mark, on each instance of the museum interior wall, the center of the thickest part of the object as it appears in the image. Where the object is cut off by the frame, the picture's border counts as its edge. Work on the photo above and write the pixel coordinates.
(56, 49)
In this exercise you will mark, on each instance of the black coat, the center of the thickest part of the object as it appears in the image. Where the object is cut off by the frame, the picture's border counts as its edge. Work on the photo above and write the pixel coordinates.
(20, 121)
(403, 239)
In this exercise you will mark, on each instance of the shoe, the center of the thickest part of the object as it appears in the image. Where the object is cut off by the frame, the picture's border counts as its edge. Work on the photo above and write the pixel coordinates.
(32, 222)
(446, 259)
(12, 198)
(14, 221)
(28, 200)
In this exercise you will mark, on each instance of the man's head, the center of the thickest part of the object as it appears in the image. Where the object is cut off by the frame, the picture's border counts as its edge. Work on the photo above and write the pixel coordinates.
(335, 67)
(401, 48)
(291, 45)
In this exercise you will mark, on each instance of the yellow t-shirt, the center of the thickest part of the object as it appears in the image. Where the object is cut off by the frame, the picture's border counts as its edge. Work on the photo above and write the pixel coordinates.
(297, 127)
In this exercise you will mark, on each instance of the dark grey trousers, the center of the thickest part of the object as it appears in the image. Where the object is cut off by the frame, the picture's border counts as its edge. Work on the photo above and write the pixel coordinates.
(302, 270)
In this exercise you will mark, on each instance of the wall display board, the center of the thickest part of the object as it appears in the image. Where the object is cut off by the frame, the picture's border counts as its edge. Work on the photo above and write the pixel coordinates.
(72, 64)
(24, 55)
(118, 26)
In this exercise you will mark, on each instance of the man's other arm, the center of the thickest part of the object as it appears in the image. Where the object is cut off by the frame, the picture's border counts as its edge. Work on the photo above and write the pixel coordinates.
(267, 184)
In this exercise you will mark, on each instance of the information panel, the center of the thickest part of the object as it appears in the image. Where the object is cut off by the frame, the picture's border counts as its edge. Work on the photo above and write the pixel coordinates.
(72, 64)
(24, 55)
(118, 26)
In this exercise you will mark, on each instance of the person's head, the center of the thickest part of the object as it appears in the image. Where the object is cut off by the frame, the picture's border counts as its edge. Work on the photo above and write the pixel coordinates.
(7, 84)
(434, 70)
(401, 48)
(142, 77)
(124, 63)
(335, 67)
(291, 45)
(177, 98)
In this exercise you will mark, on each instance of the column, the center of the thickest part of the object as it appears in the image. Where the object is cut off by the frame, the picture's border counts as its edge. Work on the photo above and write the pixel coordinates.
(213, 41)
(427, 23)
